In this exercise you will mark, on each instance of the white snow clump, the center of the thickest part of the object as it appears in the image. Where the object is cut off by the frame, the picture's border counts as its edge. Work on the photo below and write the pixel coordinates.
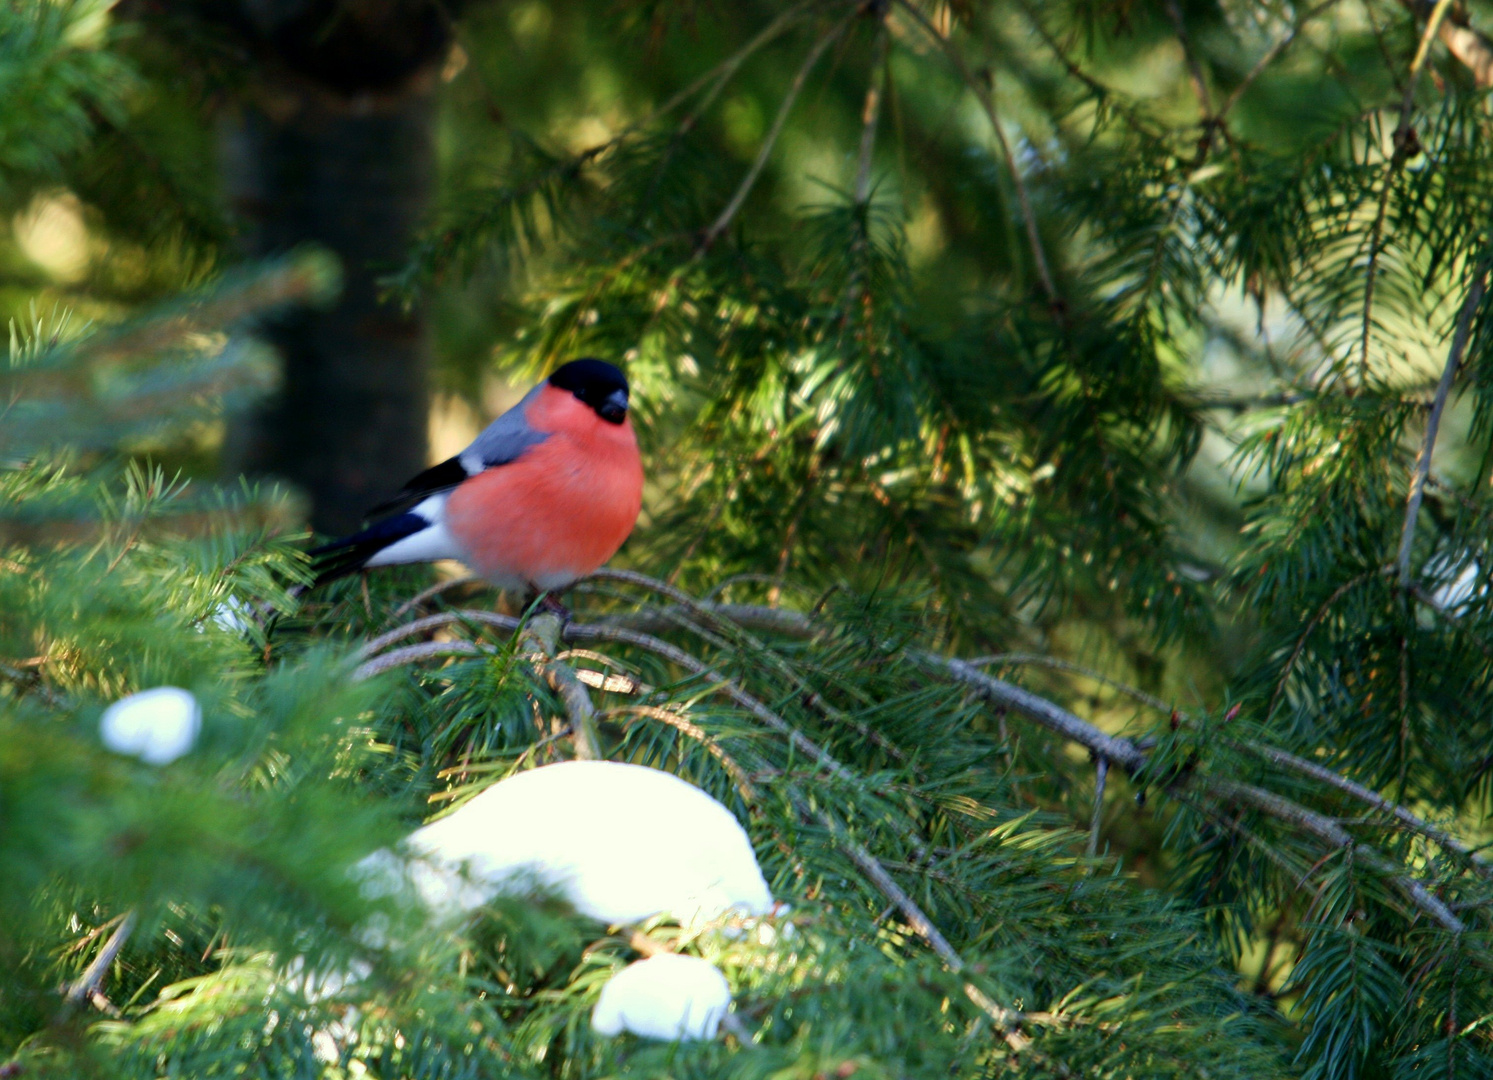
(157, 726)
(619, 842)
(664, 997)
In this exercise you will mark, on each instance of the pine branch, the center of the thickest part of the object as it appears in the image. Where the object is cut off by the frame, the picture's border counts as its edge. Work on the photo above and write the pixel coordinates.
(1363, 794)
(1210, 121)
(1126, 754)
(1105, 747)
(1101, 773)
(678, 722)
(1006, 1021)
(720, 619)
(1433, 422)
(1332, 834)
(723, 72)
(542, 633)
(1057, 664)
(1317, 616)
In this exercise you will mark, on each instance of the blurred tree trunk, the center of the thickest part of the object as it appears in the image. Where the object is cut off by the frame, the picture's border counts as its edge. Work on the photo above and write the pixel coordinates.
(334, 146)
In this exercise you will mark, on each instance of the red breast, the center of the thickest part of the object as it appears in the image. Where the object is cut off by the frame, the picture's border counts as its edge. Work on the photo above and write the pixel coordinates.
(559, 511)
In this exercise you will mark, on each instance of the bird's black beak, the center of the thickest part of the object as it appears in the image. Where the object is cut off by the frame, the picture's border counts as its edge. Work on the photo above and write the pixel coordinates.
(614, 409)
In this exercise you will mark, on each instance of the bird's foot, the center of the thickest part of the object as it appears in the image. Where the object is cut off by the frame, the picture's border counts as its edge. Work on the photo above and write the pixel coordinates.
(550, 603)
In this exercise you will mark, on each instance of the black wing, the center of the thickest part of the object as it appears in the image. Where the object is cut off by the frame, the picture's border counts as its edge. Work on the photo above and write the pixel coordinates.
(437, 478)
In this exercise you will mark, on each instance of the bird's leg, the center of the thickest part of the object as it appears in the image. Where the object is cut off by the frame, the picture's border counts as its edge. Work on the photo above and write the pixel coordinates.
(551, 603)
(546, 602)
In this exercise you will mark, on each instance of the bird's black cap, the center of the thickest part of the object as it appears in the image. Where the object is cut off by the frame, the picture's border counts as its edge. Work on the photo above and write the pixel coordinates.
(596, 382)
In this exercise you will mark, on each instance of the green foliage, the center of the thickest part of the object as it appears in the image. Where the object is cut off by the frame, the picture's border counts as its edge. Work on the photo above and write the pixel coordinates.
(56, 73)
(1131, 391)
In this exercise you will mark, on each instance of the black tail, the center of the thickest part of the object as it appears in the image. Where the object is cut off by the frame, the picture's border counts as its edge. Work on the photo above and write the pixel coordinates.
(348, 555)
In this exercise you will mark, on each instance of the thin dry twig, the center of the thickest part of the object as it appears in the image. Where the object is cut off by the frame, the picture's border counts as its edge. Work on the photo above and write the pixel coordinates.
(1466, 43)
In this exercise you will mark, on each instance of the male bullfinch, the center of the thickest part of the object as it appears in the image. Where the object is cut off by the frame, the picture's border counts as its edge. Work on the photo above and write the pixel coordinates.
(544, 496)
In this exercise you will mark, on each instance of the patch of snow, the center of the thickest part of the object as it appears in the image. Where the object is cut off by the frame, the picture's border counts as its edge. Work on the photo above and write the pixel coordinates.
(1454, 595)
(157, 726)
(233, 615)
(619, 842)
(664, 997)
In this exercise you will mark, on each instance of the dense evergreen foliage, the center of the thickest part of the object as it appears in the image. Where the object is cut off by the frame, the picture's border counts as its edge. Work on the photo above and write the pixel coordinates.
(1066, 545)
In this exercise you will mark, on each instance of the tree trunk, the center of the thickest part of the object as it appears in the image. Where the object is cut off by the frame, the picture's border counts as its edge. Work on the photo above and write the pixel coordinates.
(336, 148)
(349, 425)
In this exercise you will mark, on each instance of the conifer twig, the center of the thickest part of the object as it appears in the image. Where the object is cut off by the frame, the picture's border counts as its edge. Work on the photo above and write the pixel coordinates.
(987, 104)
(1372, 798)
(1329, 831)
(1101, 773)
(1402, 151)
(1058, 664)
(412, 654)
(1195, 76)
(435, 622)
(679, 723)
(769, 141)
(1270, 56)
(1102, 745)
(543, 633)
(97, 970)
(1433, 422)
(676, 655)
(1132, 758)
(870, 117)
(1317, 617)
(717, 616)
(723, 72)
(1007, 1021)
(435, 590)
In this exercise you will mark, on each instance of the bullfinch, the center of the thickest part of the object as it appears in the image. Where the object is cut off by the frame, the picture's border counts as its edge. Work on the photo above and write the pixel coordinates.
(543, 497)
